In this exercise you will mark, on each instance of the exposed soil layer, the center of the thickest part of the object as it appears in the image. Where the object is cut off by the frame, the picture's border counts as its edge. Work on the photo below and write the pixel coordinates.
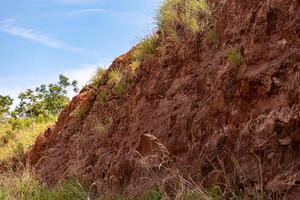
(193, 113)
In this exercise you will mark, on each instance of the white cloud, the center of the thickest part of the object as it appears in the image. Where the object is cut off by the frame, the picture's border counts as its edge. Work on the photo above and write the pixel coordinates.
(9, 26)
(84, 74)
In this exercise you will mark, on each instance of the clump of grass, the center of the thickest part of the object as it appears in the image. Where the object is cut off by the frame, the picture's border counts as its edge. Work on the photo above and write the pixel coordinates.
(97, 77)
(147, 46)
(235, 57)
(99, 127)
(102, 97)
(119, 89)
(26, 186)
(115, 76)
(81, 111)
(190, 16)
(211, 36)
(153, 194)
(119, 80)
(135, 65)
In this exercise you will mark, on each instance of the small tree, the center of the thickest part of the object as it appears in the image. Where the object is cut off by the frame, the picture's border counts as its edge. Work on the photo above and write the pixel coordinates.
(45, 100)
(5, 104)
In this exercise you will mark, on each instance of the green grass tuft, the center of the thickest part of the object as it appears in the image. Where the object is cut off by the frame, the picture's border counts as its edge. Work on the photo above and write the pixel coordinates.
(102, 97)
(147, 46)
(211, 36)
(97, 77)
(26, 186)
(235, 57)
(81, 111)
(119, 80)
(115, 76)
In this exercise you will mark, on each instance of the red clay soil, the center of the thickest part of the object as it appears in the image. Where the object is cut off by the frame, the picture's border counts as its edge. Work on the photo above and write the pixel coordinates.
(193, 113)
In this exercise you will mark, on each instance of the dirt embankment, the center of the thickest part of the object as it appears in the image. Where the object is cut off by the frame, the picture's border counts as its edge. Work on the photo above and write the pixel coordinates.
(207, 119)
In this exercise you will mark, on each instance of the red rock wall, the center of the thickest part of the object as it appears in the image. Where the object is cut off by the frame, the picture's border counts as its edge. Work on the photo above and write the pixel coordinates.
(203, 116)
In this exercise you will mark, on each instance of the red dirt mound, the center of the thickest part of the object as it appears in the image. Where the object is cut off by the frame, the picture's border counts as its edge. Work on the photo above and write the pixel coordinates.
(193, 113)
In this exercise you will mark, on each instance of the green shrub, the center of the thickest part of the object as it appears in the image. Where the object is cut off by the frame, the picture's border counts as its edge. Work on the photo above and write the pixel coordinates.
(21, 123)
(13, 142)
(235, 57)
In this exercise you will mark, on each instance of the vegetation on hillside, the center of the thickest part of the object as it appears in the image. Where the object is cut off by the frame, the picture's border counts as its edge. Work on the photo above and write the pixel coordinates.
(178, 17)
(19, 127)
(39, 108)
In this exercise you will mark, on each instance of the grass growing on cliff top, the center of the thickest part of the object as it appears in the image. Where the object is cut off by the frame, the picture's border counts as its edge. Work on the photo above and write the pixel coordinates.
(147, 46)
(97, 77)
(189, 16)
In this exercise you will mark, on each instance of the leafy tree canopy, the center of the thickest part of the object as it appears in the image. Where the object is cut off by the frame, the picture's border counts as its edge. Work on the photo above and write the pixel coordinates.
(45, 100)
(5, 104)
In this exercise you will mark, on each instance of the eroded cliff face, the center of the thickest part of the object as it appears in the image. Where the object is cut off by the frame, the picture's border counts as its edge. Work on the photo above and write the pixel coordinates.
(193, 113)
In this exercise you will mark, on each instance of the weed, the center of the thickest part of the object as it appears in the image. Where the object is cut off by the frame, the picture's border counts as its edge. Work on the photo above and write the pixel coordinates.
(81, 111)
(190, 16)
(235, 57)
(99, 127)
(153, 194)
(147, 46)
(119, 81)
(102, 97)
(135, 65)
(191, 196)
(26, 186)
(211, 36)
(115, 76)
(97, 77)
(119, 89)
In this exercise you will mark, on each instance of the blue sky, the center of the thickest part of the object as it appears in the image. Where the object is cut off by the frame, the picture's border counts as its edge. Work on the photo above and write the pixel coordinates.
(40, 39)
